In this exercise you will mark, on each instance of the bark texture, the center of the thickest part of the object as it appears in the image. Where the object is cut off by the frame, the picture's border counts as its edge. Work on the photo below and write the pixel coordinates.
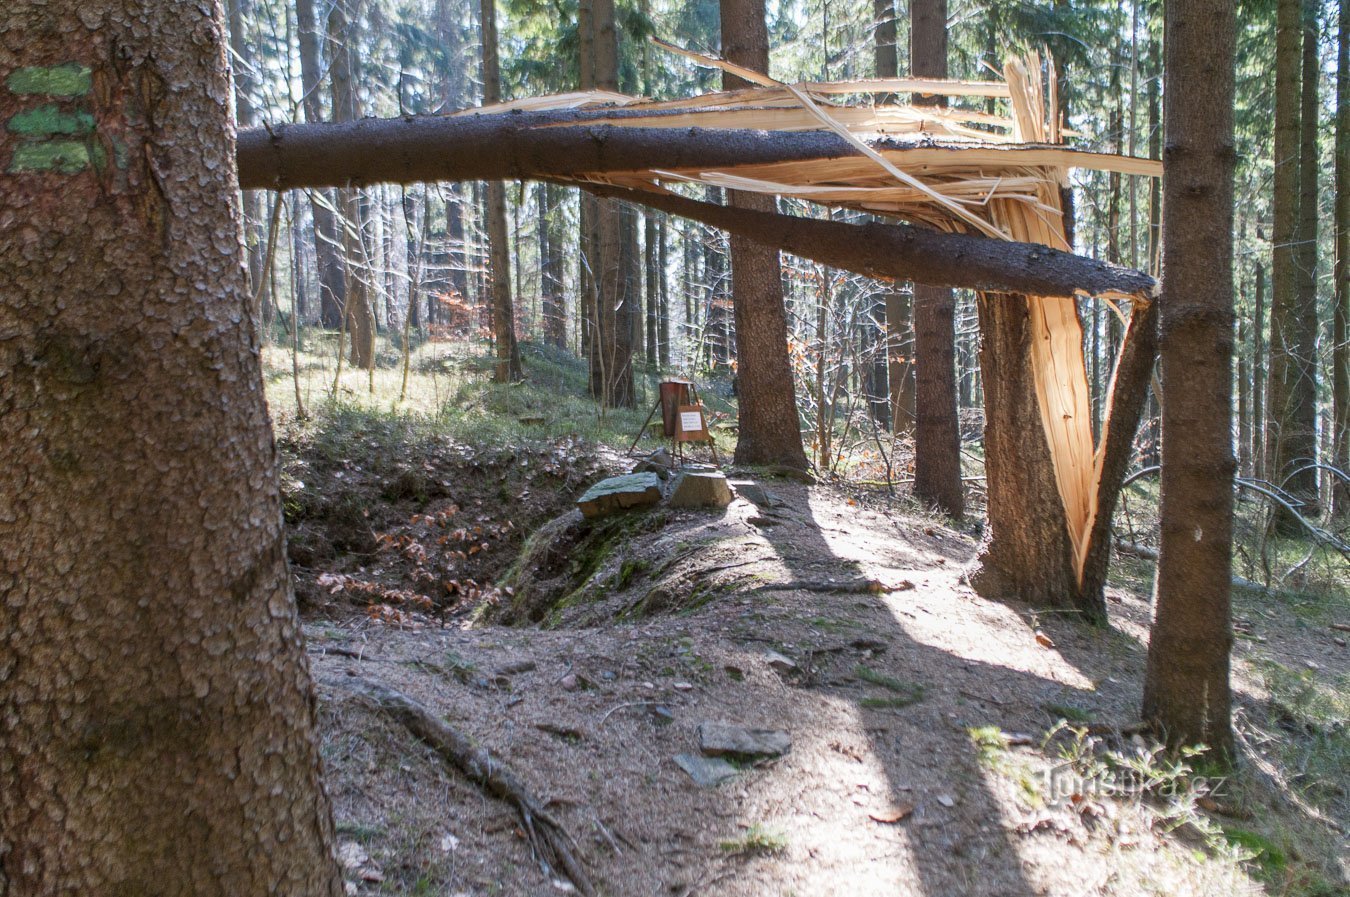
(508, 368)
(770, 430)
(1186, 687)
(157, 725)
(901, 252)
(1340, 317)
(1291, 407)
(332, 289)
(344, 75)
(937, 437)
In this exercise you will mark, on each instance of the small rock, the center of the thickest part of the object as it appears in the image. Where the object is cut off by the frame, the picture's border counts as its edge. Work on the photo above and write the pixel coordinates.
(756, 494)
(718, 739)
(684, 686)
(568, 682)
(608, 675)
(616, 494)
(663, 714)
(700, 489)
(707, 772)
(946, 800)
(658, 462)
(780, 663)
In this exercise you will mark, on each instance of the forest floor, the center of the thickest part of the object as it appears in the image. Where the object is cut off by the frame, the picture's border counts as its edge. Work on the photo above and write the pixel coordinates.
(940, 743)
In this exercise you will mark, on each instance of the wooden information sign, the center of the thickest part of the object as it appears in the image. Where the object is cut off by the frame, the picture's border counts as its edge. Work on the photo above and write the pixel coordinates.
(691, 425)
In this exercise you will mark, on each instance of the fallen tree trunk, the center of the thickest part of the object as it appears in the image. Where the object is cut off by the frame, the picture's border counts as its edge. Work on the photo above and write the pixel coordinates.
(902, 252)
(542, 145)
(549, 840)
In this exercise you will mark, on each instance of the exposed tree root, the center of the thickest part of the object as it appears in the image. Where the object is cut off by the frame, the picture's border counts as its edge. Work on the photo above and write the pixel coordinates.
(842, 587)
(553, 846)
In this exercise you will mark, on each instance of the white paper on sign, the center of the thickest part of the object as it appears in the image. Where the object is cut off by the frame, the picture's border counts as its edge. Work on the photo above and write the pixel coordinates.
(691, 421)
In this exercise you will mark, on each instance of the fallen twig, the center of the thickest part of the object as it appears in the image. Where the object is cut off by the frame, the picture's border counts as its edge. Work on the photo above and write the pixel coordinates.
(553, 846)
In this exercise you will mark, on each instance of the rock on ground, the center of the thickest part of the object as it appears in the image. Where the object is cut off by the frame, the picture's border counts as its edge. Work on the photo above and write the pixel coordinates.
(719, 739)
(615, 494)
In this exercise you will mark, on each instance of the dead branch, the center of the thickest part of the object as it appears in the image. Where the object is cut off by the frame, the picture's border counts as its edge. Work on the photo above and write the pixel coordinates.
(553, 846)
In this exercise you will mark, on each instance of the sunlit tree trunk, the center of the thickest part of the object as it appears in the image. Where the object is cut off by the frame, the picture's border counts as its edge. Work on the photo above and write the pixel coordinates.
(1186, 688)
(344, 76)
(770, 429)
(508, 368)
(332, 288)
(937, 436)
(158, 730)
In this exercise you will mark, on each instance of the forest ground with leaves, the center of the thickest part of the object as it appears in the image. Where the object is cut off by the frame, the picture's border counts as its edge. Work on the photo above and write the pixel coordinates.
(926, 722)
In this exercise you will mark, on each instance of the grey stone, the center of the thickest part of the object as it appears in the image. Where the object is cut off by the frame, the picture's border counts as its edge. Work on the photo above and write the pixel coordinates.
(707, 772)
(700, 489)
(717, 739)
(658, 462)
(757, 495)
(610, 496)
(779, 662)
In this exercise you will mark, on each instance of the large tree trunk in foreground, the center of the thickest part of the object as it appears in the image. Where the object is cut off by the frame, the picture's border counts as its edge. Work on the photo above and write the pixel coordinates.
(770, 430)
(937, 438)
(508, 368)
(1186, 687)
(158, 727)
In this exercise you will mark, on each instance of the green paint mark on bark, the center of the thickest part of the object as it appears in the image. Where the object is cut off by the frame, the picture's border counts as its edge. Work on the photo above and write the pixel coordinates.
(60, 156)
(49, 121)
(66, 80)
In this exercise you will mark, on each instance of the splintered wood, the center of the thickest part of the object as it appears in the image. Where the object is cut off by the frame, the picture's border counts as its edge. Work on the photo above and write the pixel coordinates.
(958, 170)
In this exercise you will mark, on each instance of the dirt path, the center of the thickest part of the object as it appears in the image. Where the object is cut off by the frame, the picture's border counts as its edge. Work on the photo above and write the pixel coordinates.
(897, 781)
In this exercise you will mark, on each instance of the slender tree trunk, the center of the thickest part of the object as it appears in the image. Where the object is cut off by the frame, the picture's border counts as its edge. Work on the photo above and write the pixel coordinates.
(898, 307)
(158, 733)
(663, 261)
(937, 436)
(770, 429)
(1259, 383)
(344, 76)
(332, 288)
(1340, 321)
(1186, 687)
(652, 287)
(1290, 405)
(255, 240)
(508, 368)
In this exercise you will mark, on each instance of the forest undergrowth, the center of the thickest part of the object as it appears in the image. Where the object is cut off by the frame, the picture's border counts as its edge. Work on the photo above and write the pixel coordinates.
(941, 743)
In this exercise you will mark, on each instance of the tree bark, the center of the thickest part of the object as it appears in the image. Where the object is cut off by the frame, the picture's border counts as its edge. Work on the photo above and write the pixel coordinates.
(158, 729)
(332, 289)
(610, 310)
(901, 252)
(770, 429)
(508, 368)
(1186, 686)
(344, 76)
(937, 437)
(1340, 318)
(895, 310)
(1290, 403)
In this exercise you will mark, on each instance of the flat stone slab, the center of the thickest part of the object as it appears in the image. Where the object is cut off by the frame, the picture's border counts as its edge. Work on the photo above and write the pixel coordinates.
(700, 489)
(718, 739)
(634, 490)
(757, 495)
(708, 772)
